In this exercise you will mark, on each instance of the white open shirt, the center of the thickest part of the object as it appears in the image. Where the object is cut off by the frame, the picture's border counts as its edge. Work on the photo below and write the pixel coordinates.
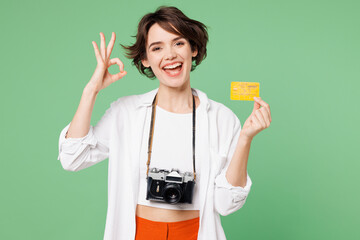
(117, 136)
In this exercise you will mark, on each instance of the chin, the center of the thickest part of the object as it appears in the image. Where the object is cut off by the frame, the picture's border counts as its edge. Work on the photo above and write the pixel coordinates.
(174, 84)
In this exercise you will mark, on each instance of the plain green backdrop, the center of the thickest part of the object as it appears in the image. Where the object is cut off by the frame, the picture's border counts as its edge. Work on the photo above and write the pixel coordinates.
(304, 167)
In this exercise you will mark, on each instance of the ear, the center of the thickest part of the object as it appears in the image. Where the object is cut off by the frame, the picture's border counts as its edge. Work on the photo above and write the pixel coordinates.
(194, 53)
(145, 63)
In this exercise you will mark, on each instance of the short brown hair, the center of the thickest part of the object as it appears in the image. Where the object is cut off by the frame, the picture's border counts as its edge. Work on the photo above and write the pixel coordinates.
(174, 21)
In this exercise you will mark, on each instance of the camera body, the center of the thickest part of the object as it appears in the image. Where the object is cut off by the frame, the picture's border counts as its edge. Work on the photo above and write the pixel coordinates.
(170, 186)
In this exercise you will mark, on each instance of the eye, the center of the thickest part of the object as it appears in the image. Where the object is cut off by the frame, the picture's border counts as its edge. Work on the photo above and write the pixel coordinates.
(155, 49)
(179, 43)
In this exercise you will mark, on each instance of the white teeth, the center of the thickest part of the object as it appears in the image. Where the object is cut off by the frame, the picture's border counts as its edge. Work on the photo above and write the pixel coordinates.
(172, 66)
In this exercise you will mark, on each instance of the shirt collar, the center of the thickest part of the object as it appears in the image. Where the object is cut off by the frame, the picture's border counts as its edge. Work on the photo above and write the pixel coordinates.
(146, 99)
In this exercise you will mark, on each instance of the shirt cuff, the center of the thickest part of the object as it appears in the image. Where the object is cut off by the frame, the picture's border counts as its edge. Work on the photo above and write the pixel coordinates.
(221, 181)
(71, 145)
(238, 194)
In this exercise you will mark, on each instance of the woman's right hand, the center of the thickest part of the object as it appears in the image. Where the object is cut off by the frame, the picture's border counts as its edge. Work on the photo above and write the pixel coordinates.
(101, 77)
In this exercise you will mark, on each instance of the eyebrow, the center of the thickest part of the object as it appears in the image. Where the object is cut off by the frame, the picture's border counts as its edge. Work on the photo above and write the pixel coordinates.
(177, 38)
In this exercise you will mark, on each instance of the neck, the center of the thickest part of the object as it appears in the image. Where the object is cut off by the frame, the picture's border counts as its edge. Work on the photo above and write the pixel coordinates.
(177, 100)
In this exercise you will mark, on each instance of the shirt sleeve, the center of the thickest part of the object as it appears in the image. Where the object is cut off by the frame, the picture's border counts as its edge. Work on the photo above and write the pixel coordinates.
(229, 198)
(78, 153)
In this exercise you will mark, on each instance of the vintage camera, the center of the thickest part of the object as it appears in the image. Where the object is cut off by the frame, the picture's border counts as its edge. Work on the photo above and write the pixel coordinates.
(170, 186)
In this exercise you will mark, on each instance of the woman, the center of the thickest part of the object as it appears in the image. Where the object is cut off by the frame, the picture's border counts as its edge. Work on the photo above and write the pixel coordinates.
(173, 126)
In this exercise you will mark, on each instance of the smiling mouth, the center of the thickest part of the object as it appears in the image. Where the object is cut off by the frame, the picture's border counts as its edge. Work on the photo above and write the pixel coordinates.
(173, 70)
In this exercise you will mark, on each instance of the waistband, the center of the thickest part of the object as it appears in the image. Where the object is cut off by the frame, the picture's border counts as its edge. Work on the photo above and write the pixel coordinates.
(177, 224)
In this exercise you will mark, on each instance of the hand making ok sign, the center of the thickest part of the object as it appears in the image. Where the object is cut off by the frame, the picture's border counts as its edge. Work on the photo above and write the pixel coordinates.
(101, 77)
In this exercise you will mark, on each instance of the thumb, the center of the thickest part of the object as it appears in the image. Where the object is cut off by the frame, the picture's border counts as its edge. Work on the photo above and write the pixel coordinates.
(256, 104)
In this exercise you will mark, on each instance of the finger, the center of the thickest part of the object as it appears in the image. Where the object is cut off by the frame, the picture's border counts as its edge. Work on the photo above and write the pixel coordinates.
(118, 62)
(261, 119)
(111, 44)
(97, 53)
(265, 113)
(118, 76)
(263, 104)
(256, 107)
(102, 46)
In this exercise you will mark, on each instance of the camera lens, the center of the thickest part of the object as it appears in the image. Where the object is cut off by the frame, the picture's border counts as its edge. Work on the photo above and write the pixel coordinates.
(172, 193)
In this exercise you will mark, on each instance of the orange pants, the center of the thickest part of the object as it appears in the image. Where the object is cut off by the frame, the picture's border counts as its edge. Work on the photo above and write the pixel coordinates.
(150, 230)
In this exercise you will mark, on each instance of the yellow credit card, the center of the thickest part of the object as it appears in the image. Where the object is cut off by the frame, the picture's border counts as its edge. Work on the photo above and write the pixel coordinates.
(244, 90)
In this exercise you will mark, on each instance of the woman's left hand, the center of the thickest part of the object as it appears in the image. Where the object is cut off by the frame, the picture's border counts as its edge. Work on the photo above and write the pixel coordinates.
(259, 119)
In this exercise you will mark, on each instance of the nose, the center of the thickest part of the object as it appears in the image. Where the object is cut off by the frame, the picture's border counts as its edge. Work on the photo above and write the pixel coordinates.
(170, 53)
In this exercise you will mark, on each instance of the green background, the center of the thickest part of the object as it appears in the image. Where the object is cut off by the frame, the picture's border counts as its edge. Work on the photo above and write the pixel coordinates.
(304, 167)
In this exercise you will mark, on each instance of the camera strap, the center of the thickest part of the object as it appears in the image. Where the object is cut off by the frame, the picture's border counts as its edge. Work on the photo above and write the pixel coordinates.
(153, 113)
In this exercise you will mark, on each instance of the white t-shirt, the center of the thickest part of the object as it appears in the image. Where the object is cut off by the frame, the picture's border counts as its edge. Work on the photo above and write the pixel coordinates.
(171, 148)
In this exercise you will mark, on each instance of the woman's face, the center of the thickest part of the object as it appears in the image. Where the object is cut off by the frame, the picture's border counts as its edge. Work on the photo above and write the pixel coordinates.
(169, 56)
